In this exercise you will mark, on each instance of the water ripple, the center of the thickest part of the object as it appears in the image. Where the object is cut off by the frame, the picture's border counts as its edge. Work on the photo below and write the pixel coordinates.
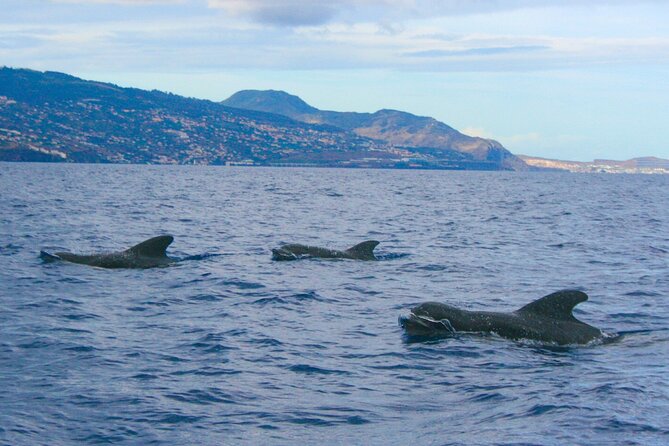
(228, 347)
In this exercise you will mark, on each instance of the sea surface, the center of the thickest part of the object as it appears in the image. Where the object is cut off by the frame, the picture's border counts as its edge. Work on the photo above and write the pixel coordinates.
(229, 347)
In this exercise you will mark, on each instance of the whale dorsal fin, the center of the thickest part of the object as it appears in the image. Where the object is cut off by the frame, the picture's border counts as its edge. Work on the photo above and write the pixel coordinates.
(558, 305)
(153, 247)
(364, 250)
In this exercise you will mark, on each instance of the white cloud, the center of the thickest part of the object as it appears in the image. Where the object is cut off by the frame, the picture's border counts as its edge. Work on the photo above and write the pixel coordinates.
(121, 2)
(476, 131)
(217, 42)
(194, 37)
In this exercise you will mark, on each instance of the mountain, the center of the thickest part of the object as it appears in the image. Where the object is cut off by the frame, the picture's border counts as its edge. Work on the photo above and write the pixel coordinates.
(272, 101)
(49, 116)
(419, 134)
(56, 117)
(635, 165)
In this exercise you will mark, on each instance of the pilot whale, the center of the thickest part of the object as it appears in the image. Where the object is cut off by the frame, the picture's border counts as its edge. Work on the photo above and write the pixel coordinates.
(361, 251)
(148, 254)
(548, 319)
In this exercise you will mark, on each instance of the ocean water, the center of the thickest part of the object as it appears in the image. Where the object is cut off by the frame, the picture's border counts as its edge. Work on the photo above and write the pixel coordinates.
(229, 347)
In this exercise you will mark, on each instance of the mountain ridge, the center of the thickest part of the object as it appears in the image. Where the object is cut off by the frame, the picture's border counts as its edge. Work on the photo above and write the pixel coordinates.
(51, 116)
(390, 126)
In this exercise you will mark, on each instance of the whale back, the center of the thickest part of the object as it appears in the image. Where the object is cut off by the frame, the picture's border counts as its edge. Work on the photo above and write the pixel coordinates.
(363, 251)
(154, 247)
(548, 319)
(558, 305)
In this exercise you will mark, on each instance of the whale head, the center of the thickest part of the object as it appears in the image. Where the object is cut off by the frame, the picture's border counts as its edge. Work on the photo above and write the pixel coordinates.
(429, 319)
(283, 254)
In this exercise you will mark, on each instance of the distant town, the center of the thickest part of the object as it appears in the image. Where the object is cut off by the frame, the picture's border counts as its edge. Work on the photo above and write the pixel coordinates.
(645, 165)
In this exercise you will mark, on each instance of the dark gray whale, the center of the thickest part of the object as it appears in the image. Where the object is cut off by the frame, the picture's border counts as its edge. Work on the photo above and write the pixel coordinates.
(548, 319)
(148, 254)
(361, 251)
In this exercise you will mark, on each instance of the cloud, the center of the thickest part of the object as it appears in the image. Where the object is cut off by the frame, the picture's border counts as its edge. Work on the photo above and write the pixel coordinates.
(390, 14)
(318, 12)
(281, 12)
(221, 43)
(292, 13)
(121, 2)
(483, 51)
(192, 37)
(476, 131)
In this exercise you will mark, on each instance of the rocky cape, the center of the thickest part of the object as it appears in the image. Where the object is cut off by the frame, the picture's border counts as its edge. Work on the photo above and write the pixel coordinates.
(49, 116)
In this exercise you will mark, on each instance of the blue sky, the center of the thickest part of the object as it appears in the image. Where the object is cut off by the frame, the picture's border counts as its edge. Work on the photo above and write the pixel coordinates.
(564, 79)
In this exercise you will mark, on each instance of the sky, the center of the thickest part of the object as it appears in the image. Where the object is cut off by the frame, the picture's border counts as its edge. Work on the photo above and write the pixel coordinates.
(566, 79)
